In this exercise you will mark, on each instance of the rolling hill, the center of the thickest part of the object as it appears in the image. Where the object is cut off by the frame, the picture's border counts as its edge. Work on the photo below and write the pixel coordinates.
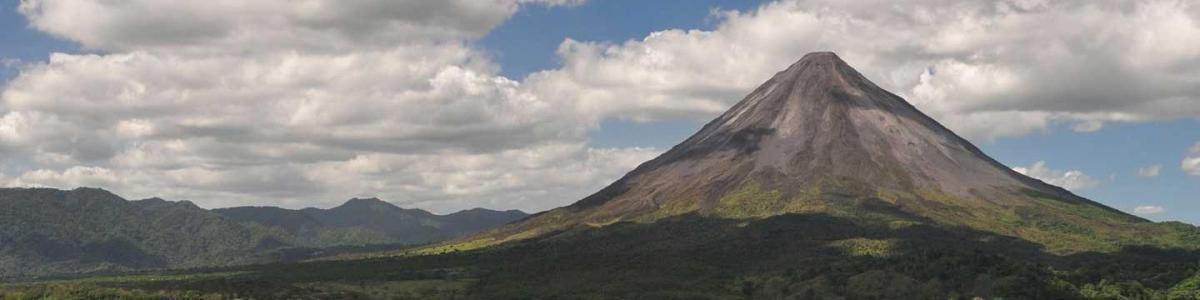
(369, 221)
(86, 230)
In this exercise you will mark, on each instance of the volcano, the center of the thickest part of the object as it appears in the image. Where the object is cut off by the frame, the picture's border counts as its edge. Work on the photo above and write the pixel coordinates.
(819, 137)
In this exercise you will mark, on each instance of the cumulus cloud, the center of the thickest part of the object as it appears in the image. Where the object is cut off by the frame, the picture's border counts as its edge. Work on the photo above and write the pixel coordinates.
(1149, 171)
(363, 101)
(1149, 210)
(295, 104)
(1191, 163)
(986, 68)
(230, 26)
(1072, 179)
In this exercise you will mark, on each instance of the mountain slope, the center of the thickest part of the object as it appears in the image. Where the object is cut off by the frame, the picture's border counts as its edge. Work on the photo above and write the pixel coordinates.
(819, 137)
(369, 221)
(48, 231)
(45, 231)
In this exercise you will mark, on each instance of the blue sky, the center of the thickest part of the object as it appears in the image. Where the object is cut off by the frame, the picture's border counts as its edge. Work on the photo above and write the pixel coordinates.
(525, 41)
(22, 43)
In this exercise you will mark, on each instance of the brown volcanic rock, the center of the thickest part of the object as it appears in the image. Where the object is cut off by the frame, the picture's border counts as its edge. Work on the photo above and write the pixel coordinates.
(820, 137)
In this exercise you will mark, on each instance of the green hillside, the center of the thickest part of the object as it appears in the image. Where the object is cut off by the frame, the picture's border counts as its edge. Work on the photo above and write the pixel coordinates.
(49, 231)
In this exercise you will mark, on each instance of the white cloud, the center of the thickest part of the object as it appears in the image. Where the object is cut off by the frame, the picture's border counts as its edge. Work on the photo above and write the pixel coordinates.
(1072, 179)
(523, 178)
(555, 2)
(1191, 163)
(1150, 171)
(74, 177)
(1149, 210)
(231, 26)
(985, 68)
(1088, 126)
(365, 101)
(6, 62)
(295, 104)
(306, 103)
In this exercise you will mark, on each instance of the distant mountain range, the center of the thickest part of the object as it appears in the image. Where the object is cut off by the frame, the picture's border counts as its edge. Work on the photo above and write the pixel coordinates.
(49, 231)
(368, 221)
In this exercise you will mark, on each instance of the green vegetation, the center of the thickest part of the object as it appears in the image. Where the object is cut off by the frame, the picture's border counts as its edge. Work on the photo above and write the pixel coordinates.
(412, 289)
(672, 207)
(865, 247)
(751, 243)
(1063, 227)
(452, 247)
(351, 236)
(77, 291)
(749, 201)
(49, 231)
(695, 257)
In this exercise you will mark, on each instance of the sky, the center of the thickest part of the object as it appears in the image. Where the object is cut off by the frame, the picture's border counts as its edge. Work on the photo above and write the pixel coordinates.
(533, 104)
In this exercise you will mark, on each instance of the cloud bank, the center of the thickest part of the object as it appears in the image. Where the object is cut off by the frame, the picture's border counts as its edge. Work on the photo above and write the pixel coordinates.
(299, 103)
(987, 69)
(295, 104)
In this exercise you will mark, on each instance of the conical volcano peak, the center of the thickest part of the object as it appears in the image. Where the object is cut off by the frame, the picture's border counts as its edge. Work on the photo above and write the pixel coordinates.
(818, 55)
(820, 73)
(819, 137)
(819, 59)
(817, 125)
(818, 91)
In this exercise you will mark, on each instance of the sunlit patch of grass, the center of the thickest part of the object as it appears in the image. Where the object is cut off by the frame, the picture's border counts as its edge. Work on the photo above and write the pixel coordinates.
(453, 247)
(672, 207)
(807, 201)
(865, 247)
(749, 201)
